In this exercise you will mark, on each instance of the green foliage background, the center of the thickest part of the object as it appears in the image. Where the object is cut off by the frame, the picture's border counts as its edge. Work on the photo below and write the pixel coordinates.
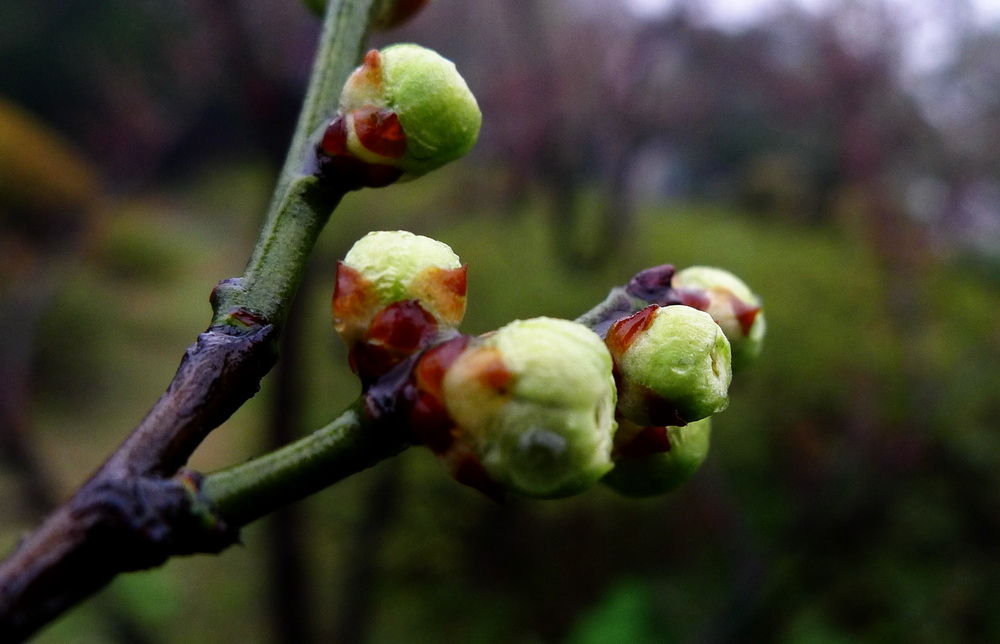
(851, 493)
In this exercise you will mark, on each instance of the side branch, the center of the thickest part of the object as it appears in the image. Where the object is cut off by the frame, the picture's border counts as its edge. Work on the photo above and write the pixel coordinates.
(357, 440)
(131, 514)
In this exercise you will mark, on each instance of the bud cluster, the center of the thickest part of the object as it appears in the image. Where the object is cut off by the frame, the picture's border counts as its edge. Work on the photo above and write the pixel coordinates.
(404, 112)
(544, 407)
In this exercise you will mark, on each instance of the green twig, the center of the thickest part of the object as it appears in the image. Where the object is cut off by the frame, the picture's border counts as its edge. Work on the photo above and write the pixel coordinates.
(355, 441)
(130, 514)
(224, 368)
(348, 445)
(301, 205)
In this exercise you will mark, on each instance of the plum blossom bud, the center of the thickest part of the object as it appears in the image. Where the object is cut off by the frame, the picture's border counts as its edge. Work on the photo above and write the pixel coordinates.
(404, 112)
(672, 365)
(655, 460)
(730, 302)
(395, 293)
(534, 404)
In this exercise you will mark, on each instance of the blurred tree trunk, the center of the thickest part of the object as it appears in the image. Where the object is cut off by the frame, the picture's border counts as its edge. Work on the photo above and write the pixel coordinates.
(358, 606)
(289, 585)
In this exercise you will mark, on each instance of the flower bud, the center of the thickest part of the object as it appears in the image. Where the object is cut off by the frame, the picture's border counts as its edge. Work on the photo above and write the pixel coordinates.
(654, 460)
(395, 292)
(534, 402)
(730, 302)
(672, 365)
(404, 112)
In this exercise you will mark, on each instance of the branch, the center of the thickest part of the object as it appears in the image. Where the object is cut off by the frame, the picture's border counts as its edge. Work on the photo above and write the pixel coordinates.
(126, 518)
(370, 431)
(129, 515)
(141, 507)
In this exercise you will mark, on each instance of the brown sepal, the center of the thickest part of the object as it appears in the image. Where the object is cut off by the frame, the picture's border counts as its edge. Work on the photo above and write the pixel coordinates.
(745, 313)
(625, 331)
(380, 131)
(429, 418)
(354, 301)
(371, 67)
(340, 169)
(447, 289)
(394, 334)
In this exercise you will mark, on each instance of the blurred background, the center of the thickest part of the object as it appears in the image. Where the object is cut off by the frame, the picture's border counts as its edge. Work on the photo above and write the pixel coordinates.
(842, 156)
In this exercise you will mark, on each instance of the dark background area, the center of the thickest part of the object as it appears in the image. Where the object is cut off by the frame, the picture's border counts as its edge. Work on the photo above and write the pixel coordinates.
(843, 161)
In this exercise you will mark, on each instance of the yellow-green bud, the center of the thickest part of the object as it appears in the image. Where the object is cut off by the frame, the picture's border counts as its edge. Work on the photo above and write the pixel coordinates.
(404, 112)
(672, 365)
(731, 303)
(650, 474)
(535, 403)
(394, 261)
(394, 291)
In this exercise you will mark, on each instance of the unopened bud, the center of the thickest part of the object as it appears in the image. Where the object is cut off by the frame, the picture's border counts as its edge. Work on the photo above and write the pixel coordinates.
(654, 460)
(535, 402)
(672, 365)
(395, 291)
(730, 302)
(404, 112)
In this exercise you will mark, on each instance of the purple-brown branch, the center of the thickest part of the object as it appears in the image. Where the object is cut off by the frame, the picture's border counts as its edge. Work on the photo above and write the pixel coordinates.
(134, 513)
(218, 373)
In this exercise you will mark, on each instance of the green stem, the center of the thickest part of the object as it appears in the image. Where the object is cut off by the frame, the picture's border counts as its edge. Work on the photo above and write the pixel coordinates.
(353, 442)
(301, 205)
(348, 445)
(345, 30)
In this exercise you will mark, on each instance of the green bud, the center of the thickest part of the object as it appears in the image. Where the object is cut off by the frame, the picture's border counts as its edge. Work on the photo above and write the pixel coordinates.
(395, 260)
(535, 403)
(672, 365)
(395, 291)
(404, 112)
(650, 474)
(731, 303)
